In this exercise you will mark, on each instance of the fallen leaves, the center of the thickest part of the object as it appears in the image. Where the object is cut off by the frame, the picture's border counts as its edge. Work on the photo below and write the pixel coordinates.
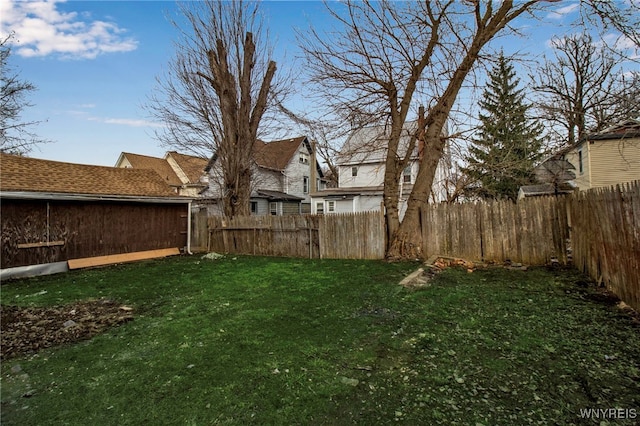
(29, 329)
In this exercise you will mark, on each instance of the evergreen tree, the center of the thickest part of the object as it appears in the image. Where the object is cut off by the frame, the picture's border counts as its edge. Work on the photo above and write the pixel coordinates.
(508, 144)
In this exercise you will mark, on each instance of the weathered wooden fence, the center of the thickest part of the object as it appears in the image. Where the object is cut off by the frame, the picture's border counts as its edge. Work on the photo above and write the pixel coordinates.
(344, 236)
(532, 231)
(199, 231)
(603, 227)
(605, 238)
(352, 236)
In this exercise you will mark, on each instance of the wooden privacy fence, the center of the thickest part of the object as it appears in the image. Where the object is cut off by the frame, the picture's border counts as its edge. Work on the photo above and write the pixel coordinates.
(601, 227)
(342, 236)
(605, 238)
(532, 231)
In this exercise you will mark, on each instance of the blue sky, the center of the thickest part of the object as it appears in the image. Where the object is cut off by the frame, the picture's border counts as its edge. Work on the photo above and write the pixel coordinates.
(94, 64)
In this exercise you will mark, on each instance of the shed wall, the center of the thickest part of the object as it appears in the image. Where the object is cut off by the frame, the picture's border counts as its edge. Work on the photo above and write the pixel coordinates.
(86, 229)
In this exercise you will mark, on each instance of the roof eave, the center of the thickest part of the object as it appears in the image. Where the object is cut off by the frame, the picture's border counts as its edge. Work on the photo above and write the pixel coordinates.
(28, 195)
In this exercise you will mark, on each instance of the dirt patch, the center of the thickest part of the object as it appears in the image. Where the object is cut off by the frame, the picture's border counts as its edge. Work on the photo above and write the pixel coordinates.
(433, 266)
(27, 330)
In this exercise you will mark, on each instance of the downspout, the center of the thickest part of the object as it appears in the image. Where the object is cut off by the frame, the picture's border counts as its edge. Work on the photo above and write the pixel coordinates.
(189, 228)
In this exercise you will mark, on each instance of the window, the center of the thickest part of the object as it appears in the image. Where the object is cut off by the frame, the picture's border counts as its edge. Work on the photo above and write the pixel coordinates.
(273, 209)
(320, 208)
(406, 175)
(254, 207)
(354, 171)
(580, 166)
(305, 184)
(304, 158)
(331, 206)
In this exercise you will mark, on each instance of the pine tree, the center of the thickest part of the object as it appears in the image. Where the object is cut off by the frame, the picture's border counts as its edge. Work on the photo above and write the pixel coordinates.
(508, 144)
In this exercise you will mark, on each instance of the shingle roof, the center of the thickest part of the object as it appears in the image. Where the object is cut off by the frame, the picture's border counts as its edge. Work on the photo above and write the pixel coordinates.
(627, 129)
(192, 166)
(159, 165)
(546, 189)
(35, 175)
(277, 154)
(277, 195)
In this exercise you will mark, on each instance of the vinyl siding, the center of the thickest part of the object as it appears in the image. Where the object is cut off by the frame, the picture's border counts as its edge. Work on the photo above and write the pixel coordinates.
(368, 175)
(583, 179)
(368, 202)
(606, 162)
(290, 207)
(295, 172)
(614, 162)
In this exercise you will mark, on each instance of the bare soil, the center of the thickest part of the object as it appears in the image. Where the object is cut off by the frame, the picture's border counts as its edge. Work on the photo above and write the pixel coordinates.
(26, 330)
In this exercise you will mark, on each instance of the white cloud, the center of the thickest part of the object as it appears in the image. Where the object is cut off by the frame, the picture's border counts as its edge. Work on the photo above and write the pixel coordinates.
(563, 11)
(130, 122)
(41, 29)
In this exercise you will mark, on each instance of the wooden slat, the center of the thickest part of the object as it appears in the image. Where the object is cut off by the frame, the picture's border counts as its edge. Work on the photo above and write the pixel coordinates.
(121, 258)
(41, 244)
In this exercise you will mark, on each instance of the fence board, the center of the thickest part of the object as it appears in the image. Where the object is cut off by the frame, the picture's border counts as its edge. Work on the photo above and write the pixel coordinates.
(605, 225)
(531, 231)
(352, 236)
(344, 236)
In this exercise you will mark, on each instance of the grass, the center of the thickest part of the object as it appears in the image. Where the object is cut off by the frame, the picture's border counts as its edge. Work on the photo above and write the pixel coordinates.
(283, 341)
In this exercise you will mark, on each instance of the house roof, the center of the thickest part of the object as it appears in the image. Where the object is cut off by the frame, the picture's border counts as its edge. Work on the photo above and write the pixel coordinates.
(545, 189)
(193, 167)
(554, 169)
(626, 129)
(159, 165)
(277, 195)
(349, 191)
(23, 174)
(276, 155)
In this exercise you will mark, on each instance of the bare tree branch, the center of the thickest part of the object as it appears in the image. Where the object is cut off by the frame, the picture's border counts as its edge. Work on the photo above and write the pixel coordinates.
(219, 90)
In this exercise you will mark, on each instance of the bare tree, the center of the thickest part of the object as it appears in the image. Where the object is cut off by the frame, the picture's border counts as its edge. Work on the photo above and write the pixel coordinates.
(218, 89)
(387, 57)
(582, 90)
(15, 135)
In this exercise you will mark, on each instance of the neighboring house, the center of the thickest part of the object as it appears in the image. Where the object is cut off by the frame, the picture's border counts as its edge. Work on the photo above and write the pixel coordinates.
(607, 158)
(184, 173)
(54, 211)
(601, 159)
(284, 173)
(554, 175)
(544, 189)
(361, 168)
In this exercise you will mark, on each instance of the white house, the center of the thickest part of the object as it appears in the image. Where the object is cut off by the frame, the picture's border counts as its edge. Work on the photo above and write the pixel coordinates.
(361, 168)
(284, 173)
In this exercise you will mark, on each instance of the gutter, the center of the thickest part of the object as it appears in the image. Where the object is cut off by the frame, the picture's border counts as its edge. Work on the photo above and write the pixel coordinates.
(26, 195)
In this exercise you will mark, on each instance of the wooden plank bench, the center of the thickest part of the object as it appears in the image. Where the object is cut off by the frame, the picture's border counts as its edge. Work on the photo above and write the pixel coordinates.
(88, 262)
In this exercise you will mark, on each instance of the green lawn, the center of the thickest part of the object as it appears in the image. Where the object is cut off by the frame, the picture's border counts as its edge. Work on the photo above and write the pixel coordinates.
(252, 340)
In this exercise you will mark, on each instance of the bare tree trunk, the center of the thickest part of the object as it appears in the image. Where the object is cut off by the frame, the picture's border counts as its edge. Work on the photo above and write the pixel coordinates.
(240, 121)
(406, 242)
(218, 88)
